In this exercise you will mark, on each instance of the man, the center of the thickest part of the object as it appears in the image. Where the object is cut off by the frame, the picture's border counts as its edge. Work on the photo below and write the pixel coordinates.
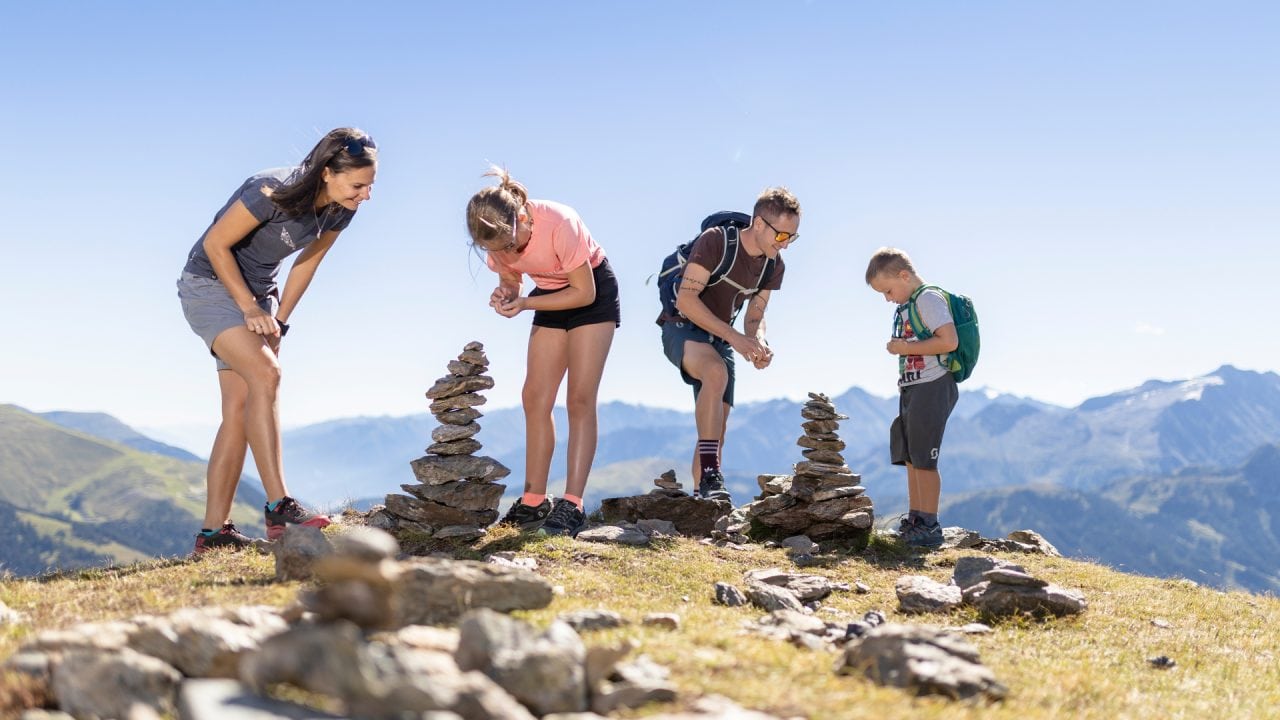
(701, 339)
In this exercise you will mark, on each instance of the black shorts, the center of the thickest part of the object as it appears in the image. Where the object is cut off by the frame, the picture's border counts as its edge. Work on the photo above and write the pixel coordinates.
(674, 335)
(916, 434)
(605, 308)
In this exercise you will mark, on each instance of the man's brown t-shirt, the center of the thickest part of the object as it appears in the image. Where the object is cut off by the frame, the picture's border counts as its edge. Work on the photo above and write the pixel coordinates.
(723, 299)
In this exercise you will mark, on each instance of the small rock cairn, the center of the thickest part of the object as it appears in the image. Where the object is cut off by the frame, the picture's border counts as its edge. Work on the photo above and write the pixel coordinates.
(824, 499)
(456, 496)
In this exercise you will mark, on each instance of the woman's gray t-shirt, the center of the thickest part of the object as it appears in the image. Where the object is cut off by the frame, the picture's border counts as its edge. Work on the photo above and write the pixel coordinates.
(277, 236)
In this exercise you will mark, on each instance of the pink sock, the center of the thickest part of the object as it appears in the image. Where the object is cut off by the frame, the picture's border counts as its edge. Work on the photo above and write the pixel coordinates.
(574, 499)
(533, 499)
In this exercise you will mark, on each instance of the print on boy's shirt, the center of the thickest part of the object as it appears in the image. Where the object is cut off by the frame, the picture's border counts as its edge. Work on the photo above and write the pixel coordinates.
(909, 366)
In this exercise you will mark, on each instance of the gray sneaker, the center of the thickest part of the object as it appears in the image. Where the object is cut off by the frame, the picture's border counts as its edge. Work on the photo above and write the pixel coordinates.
(712, 487)
(526, 517)
(565, 519)
(924, 536)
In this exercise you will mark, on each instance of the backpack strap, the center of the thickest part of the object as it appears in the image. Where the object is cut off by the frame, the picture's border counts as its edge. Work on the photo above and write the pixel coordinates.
(917, 325)
(729, 257)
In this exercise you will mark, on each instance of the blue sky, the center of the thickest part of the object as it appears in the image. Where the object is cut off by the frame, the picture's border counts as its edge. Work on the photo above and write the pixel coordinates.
(1100, 177)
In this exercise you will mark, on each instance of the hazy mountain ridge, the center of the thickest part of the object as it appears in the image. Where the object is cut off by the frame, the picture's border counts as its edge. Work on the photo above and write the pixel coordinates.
(71, 499)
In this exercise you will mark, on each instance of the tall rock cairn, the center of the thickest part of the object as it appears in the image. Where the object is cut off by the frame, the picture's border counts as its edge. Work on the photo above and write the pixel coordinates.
(456, 496)
(823, 499)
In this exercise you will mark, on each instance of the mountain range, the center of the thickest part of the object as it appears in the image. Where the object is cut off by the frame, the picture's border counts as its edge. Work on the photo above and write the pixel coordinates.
(1154, 479)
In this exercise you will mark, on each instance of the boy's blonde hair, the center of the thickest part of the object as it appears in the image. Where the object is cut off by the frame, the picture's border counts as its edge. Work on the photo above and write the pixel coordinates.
(889, 261)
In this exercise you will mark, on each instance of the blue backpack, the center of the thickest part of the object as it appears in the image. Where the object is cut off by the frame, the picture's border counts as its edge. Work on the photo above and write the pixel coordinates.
(961, 360)
(672, 271)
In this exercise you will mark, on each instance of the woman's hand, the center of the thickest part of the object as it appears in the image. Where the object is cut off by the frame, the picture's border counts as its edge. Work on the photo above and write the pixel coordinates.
(261, 322)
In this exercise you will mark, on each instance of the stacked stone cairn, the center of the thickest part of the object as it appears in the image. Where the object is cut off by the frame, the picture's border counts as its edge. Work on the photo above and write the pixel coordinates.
(823, 499)
(456, 496)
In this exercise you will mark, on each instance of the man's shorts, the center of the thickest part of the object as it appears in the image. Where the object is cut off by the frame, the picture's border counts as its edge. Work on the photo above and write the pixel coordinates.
(674, 335)
(916, 434)
(210, 310)
(605, 308)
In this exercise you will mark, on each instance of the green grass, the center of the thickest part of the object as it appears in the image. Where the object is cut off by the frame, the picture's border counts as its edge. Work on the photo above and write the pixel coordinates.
(1092, 666)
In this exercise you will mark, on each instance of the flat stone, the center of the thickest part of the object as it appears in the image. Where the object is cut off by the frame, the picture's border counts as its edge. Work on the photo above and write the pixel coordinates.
(818, 469)
(451, 385)
(464, 494)
(805, 441)
(969, 570)
(449, 433)
(1035, 540)
(998, 599)
(922, 659)
(431, 591)
(459, 417)
(728, 595)
(458, 447)
(437, 469)
(920, 594)
(435, 514)
(690, 515)
(622, 534)
(474, 356)
(457, 402)
(836, 493)
(821, 427)
(1005, 576)
(832, 510)
(465, 369)
(588, 620)
(827, 457)
(813, 413)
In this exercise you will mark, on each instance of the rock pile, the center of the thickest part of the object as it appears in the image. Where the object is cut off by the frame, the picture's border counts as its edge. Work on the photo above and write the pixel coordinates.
(823, 499)
(995, 587)
(456, 496)
(689, 515)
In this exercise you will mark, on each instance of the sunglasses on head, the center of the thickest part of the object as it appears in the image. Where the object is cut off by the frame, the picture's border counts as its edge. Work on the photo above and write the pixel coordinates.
(356, 145)
(778, 235)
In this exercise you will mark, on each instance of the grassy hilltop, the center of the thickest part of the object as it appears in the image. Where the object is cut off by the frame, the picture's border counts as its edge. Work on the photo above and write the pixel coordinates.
(1093, 666)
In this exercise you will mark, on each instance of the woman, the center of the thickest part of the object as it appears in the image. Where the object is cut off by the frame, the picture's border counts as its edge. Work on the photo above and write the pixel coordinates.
(575, 312)
(231, 300)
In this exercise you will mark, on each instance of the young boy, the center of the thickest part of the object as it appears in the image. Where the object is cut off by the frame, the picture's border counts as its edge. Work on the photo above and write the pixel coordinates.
(927, 390)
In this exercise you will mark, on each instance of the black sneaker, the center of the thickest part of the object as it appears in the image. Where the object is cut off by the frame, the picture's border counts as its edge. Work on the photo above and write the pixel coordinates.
(290, 512)
(227, 537)
(924, 536)
(527, 517)
(905, 523)
(565, 519)
(711, 487)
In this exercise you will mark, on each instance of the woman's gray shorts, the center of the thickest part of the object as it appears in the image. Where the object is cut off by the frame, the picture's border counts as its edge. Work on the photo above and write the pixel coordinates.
(210, 309)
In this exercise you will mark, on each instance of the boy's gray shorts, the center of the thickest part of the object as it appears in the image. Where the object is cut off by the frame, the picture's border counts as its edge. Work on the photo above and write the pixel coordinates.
(210, 309)
(916, 434)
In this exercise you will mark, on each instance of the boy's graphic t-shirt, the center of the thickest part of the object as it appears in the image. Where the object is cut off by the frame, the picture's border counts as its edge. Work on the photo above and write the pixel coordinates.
(560, 243)
(934, 313)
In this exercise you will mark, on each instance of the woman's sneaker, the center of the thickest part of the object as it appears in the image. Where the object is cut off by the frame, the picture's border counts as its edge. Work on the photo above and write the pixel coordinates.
(905, 523)
(290, 512)
(227, 537)
(527, 517)
(711, 487)
(565, 519)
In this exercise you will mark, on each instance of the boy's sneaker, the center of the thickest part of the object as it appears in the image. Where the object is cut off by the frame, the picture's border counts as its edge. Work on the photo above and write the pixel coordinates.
(924, 536)
(290, 512)
(711, 487)
(905, 523)
(565, 519)
(227, 537)
(527, 517)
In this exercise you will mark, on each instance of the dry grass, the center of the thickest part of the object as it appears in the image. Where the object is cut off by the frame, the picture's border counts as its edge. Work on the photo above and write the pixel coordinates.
(1094, 666)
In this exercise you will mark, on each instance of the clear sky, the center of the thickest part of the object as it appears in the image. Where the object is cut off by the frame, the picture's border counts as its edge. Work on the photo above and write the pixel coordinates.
(1100, 177)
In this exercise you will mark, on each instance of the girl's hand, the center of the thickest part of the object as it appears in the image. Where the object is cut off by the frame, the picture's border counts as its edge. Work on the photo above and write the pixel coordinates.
(502, 294)
(511, 308)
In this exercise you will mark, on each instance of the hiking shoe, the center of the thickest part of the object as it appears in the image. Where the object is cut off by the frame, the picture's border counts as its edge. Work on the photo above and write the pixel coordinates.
(527, 517)
(905, 523)
(924, 536)
(290, 512)
(711, 487)
(227, 537)
(565, 519)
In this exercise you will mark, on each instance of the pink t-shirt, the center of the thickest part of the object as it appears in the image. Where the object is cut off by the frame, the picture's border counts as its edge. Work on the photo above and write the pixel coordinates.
(560, 242)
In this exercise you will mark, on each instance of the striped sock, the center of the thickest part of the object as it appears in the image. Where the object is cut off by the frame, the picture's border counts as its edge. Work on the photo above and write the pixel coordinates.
(709, 455)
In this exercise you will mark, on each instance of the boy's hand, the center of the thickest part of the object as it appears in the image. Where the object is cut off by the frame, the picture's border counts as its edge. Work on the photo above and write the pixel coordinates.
(898, 346)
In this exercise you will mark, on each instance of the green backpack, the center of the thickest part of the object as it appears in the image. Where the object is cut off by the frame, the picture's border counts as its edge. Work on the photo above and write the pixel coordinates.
(961, 360)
